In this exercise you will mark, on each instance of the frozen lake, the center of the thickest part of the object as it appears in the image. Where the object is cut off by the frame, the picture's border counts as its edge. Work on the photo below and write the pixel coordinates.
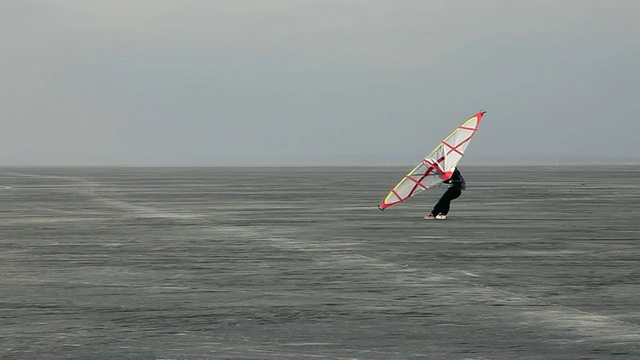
(298, 263)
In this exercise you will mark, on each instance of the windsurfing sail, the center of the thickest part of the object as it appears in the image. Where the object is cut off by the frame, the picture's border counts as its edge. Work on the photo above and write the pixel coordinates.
(436, 167)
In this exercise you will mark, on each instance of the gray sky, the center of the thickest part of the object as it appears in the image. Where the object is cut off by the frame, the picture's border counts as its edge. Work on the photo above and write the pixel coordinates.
(261, 82)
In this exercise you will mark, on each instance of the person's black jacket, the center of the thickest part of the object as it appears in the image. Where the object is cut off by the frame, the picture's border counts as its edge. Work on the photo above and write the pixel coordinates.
(456, 180)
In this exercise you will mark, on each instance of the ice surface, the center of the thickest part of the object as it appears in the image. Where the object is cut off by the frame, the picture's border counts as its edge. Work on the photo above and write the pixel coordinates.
(298, 263)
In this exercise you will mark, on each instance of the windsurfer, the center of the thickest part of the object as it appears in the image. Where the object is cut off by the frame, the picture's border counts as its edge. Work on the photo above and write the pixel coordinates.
(456, 185)
(440, 164)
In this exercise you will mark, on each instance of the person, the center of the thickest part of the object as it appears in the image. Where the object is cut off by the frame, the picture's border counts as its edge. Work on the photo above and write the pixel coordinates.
(456, 185)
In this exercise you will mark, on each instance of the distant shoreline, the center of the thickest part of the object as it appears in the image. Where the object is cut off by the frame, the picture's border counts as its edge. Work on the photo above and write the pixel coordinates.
(395, 165)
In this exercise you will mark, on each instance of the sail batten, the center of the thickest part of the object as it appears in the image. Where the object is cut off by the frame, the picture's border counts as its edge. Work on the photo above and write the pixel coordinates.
(436, 167)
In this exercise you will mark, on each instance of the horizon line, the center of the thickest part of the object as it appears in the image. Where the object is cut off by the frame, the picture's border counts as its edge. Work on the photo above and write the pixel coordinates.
(275, 165)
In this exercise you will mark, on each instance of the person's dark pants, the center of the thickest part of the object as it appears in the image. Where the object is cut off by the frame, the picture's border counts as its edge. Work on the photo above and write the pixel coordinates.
(445, 201)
